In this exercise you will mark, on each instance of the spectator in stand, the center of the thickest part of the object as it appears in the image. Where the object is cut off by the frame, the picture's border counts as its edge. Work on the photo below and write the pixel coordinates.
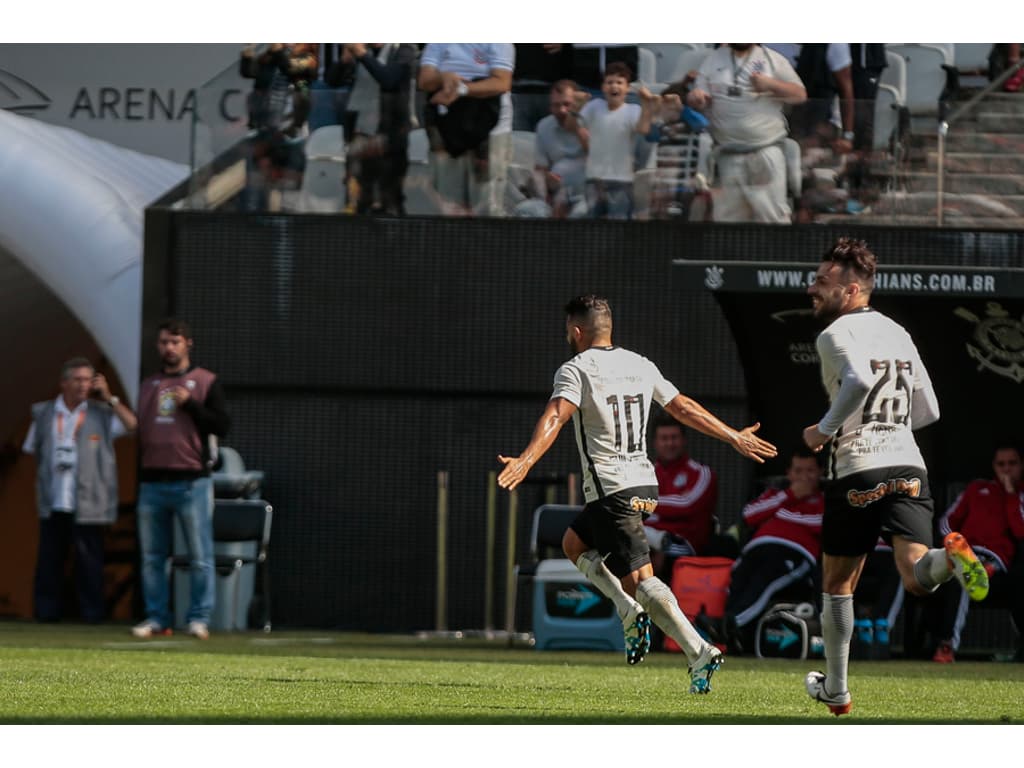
(72, 439)
(538, 67)
(469, 121)
(559, 154)
(877, 603)
(868, 62)
(684, 521)
(782, 553)
(824, 130)
(328, 93)
(1002, 57)
(589, 62)
(381, 119)
(608, 129)
(279, 106)
(990, 514)
(742, 88)
(826, 70)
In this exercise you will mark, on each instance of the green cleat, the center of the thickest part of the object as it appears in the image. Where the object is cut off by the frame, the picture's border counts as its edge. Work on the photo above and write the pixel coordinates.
(967, 569)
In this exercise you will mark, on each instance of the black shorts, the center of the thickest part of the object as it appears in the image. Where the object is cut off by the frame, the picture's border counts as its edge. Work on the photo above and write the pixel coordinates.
(614, 526)
(879, 502)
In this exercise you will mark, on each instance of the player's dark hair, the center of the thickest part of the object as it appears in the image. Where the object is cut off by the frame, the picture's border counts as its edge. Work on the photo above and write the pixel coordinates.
(560, 86)
(74, 363)
(618, 69)
(175, 326)
(1004, 444)
(591, 312)
(803, 452)
(853, 256)
(663, 419)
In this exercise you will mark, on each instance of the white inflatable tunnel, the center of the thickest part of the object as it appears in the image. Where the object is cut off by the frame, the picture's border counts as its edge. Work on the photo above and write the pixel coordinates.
(71, 211)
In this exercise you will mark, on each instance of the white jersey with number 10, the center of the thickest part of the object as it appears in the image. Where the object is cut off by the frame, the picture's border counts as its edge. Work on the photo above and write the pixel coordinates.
(880, 392)
(612, 389)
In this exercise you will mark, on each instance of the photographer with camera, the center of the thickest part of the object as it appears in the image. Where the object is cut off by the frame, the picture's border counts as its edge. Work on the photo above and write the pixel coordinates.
(76, 485)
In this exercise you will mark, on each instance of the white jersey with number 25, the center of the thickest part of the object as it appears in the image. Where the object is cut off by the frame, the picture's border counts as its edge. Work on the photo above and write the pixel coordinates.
(880, 392)
(612, 389)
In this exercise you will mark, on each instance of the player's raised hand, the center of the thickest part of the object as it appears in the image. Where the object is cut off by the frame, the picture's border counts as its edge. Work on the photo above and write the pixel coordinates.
(514, 473)
(814, 439)
(752, 446)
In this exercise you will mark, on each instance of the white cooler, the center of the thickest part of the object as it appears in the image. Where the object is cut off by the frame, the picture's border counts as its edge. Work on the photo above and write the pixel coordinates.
(570, 613)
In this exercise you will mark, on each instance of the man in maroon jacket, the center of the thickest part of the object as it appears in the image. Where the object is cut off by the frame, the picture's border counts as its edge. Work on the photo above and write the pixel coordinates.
(179, 409)
(990, 514)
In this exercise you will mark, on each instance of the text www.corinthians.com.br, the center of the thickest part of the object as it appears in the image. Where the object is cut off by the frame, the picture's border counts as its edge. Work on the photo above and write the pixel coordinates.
(923, 282)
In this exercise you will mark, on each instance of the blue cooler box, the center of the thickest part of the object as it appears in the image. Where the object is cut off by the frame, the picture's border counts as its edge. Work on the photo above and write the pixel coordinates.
(570, 613)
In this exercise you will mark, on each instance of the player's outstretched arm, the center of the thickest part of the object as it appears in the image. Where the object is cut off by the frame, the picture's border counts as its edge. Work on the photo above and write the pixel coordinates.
(693, 414)
(556, 414)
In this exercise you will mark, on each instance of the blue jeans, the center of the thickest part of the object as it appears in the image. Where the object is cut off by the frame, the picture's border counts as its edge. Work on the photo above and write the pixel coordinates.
(609, 199)
(191, 502)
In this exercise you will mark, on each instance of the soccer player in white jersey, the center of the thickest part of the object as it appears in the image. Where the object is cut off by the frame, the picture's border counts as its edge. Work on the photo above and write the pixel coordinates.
(607, 392)
(880, 392)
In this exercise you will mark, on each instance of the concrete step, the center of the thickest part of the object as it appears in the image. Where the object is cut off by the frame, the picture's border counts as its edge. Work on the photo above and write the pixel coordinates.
(998, 122)
(951, 219)
(925, 203)
(996, 184)
(999, 102)
(972, 162)
(971, 139)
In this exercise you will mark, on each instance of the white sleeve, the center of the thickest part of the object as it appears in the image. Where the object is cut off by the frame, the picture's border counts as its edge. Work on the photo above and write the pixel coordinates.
(29, 445)
(664, 390)
(431, 56)
(503, 56)
(854, 383)
(837, 56)
(568, 384)
(588, 109)
(924, 405)
(540, 155)
(783, 70)
(117, 429)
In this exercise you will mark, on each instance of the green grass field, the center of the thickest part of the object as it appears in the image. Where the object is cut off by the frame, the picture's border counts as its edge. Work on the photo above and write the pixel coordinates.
(89, 675)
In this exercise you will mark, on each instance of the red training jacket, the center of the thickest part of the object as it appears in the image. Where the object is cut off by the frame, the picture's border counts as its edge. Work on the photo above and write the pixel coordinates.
(780, 517)
(989, 518)
(687, 494)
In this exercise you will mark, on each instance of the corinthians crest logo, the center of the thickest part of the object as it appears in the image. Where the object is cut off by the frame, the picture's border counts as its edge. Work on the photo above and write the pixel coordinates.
(998, 341)
(714, 277)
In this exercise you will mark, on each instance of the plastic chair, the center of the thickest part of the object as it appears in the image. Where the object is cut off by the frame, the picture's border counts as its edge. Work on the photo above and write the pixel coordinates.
(241, 535)
(420, 197)
(232, 480)
(668, 56)
(326, 142)
(689, 60)
(323, 181)
(646, 66)
(550, 521)
(928, 66)
(890, 102)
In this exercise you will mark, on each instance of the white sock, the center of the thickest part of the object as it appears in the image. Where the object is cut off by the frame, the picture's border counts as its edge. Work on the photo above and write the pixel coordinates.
(933, 570)
(836, 631)
(591, 564)
(658, 600)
